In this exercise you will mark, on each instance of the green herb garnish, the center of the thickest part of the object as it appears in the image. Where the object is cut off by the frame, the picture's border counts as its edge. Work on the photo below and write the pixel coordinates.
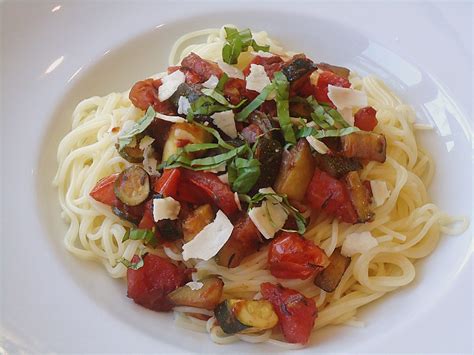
(130, 265)
(142, 124)
(243, 174)
(238, 42)
(260, 99)
(282, 87)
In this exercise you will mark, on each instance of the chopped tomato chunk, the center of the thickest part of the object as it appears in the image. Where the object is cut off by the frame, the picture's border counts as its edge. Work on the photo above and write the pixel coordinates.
(103, 191)
(328, 78)
(291, 256)
(251, 133)
(210, 185)
(145, 93)
(204, 68)
(331, 195)
(271, 64)
(296, 313)
(365, 119)
(168, 183)
(147, 221)
(149, 285)
(235, 91)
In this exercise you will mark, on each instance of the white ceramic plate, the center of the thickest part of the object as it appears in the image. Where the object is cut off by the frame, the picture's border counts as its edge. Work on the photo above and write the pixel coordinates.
(55, 54)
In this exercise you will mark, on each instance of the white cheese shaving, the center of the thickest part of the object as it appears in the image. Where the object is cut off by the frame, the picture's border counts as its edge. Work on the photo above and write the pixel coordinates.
(210, 239)
(145, 142)
(317, 145)
(232, 72)
(211, 83)
(183, 105)
(270, 217)
(165, 208)
(346, 97)
(379, 191)
(257, 79)
(174, 119)
(195, 285)
(346, 113)
(263, 54)
(170, 84)
(355, 243)
(224, 178)
(237, 201)
(225, 122)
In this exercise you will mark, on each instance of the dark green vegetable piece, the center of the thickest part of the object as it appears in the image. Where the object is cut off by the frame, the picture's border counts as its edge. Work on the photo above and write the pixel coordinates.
(191, 91)
(298, 67)
(124, 214)
(131, 154)
(329, 278)
(337, 166)
(132, 186)
(341, 71)
(226, 318)
(269, 153)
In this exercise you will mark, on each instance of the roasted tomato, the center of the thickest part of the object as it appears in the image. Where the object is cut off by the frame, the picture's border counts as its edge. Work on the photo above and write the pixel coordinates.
(204, 68)
(271, 64)
(103, 191)
(296, 313)
(168, 183)
(251, 133)
(235, 91)
(191, 76)
(147, 221)
(331, 195)
(218, 192)
(145, 93)
(243, 241)
(150, 285)
(365, 119)
(328, 78)
(291, 256)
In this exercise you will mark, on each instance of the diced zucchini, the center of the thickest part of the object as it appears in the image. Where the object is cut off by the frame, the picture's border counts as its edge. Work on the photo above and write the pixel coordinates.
(296, 171)
(132, 186)
(341, 71)
(131, 154)
(169, 230)
(298, 67)
(208, 296)
(183, 132)
(269, 153)
(364, 145)
(245, 316)
(329, 278)
(337, 166)
(196, 221)
(190, 91)
(360, 197)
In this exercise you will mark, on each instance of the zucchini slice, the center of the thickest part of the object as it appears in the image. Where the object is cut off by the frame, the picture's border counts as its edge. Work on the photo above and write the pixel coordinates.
(245, 316)
(329, 278)
(132, 186)
(208, 296)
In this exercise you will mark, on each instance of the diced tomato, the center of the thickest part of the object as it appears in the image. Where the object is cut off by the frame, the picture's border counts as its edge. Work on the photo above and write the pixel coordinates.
(103, 191)
(325, 78)
(235, 91)
(331, 195)
(204, 68)
(168, 183)
(251, 133)
(147, 221)
(302, 87)
(365, 119)
(296, 313)
(269, 107)
(217, 191)
(291, 256)
(149, 285)
(145, 93)
(191, 76)
(271, 64)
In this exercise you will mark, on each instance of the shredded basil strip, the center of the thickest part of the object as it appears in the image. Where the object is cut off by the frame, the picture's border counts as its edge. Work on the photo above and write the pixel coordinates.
(282, 87)
(142, 124)
(289, 209)
(206, 106)
(320, 133)
(243, 174)
(260, 99)
(238, 42)
(197, 147)
(130, 265)
(216, 135)
(221, 83)
(325, 116)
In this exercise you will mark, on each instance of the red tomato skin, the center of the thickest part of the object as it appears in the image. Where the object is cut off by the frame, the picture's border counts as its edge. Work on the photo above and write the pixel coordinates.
(145, 94)
(325, 78)
(103, 191)
(251, 133)
(271, 65)
(147, 221)
(235, 91)
(331, 195)
(191, 76)
(217, 191)
(296, 313)
(365, 119)
(205, 69)
(149, 285)
(168, 183)
(291, 256)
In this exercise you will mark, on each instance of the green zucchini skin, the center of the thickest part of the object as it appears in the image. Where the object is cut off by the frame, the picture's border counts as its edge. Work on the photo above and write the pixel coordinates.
(227, 320)
(132, 186)
(131, 154)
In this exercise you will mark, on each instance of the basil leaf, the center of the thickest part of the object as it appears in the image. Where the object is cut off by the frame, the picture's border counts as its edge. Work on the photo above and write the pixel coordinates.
(216, 135)
(221, 83)
(282, 87)
(243, 174)
(142, 234)
(197, 147)
(257, 47)
(325, 116)
(130, 265)
(217, 97)
(319, 133)
(237, 41)
(206, 106)
(260, 99)
(142, 124)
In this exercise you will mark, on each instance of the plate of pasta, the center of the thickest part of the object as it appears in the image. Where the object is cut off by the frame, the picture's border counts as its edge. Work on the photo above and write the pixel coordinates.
(249, 191)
